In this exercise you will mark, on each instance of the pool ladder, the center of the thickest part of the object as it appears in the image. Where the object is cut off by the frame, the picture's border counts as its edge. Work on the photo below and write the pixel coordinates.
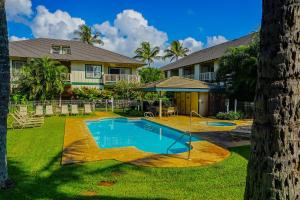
(148, 114)
(190, 131)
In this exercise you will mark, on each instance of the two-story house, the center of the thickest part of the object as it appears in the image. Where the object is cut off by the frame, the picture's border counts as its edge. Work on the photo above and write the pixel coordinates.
(207, 98)
(88, 66)
(203, 65)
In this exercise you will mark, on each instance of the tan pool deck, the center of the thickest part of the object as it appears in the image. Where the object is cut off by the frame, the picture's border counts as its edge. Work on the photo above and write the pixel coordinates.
(79, 145)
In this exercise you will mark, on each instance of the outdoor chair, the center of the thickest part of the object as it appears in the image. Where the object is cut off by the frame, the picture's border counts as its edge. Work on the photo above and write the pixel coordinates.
(74, 109)
(23, 110)
(170, 111)
(87, 109)
(29, 118)
(49, 110)
(64, 110)
(21, 122)
(39, 111)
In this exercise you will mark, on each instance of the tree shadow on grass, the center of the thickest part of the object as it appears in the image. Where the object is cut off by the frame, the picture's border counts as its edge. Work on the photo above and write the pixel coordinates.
(48, 182)
(243, 151)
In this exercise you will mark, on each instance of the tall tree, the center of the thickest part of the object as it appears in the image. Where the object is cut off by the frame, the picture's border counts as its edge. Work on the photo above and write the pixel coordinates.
(85, 35)
(41, 79)
(175, 51)
(4, 95)
(238, 71)
(147, 54)
(274, 163)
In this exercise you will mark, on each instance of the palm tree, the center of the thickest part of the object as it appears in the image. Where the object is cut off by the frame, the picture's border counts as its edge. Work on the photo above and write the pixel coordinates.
(41, 79)
(85, 35)
(176, 51)
(147, 54)
(274, 163)
(4, 93)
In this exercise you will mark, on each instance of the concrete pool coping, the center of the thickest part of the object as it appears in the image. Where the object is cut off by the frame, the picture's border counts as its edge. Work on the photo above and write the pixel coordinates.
(80, 146)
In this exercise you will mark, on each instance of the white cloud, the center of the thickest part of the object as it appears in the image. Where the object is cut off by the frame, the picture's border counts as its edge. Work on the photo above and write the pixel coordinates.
(215, 40)
(128, 30)
(17, 9)
(16, 38)
(192, 44)
(58, 25)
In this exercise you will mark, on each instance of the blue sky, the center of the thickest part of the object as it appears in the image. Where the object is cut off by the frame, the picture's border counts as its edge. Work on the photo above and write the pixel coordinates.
(196, 23)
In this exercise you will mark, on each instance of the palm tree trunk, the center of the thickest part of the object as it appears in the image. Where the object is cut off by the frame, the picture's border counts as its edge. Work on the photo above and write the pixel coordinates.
(4, 94)
(274, 163)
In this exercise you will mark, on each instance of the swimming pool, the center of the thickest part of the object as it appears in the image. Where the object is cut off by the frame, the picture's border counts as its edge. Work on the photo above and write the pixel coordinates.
(142, 134)
(220, 124)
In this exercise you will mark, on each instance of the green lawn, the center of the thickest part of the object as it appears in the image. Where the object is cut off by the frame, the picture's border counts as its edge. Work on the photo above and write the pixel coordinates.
(34, 165)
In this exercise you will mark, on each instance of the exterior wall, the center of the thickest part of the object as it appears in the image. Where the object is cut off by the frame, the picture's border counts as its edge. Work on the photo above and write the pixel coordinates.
(168, 73)
(203, 104)
(78, 78)
(197, 71)
(180, 71)
(192, 101)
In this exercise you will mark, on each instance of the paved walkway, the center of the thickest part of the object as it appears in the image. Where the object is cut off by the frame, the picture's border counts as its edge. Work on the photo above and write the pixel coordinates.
(79, 145)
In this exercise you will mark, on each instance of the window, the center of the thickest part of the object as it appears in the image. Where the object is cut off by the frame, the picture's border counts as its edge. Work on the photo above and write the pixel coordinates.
(55, 49)
(93, 71)
(66, 50)
(119, 70)
(16, 66)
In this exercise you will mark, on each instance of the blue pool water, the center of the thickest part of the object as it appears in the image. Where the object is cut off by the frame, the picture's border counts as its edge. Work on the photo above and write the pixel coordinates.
(143, 134)
(220, 124)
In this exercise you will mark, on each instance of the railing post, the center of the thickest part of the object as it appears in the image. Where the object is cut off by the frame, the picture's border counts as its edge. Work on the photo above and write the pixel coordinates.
(160, 107)
(112, 104)
(106, 105)
(235, 105)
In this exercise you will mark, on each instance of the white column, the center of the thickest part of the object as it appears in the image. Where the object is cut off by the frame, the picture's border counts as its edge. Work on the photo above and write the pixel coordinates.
(197, 72)
(180, 71)
(168, 73)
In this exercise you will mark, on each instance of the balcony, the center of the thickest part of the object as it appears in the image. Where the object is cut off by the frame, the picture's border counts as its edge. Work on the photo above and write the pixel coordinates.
(66, 77)
(114, 78)
(207, 76)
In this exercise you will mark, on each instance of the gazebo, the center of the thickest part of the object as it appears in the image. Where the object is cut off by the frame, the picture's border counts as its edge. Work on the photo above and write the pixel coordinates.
(189, 94)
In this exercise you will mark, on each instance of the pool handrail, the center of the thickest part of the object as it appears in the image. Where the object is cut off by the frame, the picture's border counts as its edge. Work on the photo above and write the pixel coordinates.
(190, 131)
(148, 114)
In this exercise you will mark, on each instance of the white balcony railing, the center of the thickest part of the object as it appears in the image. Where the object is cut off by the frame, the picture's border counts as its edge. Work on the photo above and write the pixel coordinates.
(113, 78)
(207, 76)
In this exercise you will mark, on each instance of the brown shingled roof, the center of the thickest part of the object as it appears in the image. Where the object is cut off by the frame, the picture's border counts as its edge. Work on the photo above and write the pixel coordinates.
(208, 54)
(176, 82)
(37, 48)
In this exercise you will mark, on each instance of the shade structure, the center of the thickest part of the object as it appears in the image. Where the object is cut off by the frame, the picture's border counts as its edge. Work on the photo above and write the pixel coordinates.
(183, 85)
(180, 84)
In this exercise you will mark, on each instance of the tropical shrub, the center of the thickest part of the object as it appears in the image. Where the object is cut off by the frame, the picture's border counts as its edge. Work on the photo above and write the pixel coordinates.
(91, 94)
(229, 116)
(127, 90)
(40, 79)
(151, 74)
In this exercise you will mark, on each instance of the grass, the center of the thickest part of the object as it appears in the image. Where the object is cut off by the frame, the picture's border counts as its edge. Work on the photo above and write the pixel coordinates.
(34, 165)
